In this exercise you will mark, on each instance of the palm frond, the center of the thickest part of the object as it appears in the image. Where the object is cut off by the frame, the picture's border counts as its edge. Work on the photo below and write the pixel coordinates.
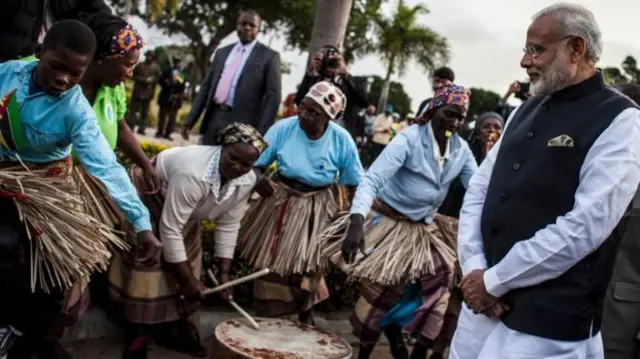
(402, 39)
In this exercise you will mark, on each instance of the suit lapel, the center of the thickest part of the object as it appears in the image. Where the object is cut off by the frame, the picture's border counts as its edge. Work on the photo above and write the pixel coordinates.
(254, 57)
(224, 54)
(218, 66)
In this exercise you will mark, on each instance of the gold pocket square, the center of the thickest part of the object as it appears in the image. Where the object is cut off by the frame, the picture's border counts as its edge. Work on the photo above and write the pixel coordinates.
(561, 141)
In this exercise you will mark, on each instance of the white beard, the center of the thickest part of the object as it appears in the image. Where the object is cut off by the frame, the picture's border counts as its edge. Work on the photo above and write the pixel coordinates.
(554, 79)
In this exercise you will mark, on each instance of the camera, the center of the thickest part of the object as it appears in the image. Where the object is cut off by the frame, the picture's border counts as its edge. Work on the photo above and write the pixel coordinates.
(328, 60)
(523, 94)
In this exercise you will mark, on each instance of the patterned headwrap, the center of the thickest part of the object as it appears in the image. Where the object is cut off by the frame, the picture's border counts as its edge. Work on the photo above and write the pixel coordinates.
(448, 94)
(125, 41)
(240, 132)
(329, 97)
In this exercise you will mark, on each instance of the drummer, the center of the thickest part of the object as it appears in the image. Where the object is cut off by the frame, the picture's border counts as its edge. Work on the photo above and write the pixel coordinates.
(402, 191)
(313, 154)
(199, 183)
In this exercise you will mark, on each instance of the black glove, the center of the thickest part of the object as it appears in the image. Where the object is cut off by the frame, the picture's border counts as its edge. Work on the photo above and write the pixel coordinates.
(354, 239)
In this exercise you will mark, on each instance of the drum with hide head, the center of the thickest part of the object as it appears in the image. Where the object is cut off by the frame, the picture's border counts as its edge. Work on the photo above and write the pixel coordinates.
(276, 339)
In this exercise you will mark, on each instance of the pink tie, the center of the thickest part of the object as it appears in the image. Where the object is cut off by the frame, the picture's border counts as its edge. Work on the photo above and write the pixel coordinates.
(228, 74)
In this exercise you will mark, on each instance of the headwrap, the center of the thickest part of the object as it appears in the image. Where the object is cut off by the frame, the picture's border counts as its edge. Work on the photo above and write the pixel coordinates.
(487, 115)
(115, 38)
(241, 132)
(448, 94)
(329, 97)
(124, 42)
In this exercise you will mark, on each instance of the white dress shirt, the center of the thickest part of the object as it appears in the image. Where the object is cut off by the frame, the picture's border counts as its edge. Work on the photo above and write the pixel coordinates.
(192, 180)
(609, 178)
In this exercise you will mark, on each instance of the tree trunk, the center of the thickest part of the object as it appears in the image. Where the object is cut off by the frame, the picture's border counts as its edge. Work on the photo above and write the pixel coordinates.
(384, 94)
(330, 25)
(128, 6)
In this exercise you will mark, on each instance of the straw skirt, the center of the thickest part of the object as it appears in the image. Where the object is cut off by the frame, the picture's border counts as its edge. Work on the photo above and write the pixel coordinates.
(280, 232)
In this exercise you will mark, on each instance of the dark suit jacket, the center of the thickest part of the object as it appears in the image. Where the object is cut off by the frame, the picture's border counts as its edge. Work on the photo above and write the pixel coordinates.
(258, 93)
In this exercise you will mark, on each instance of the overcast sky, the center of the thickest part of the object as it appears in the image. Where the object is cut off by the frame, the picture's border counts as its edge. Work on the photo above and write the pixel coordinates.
(486, 39)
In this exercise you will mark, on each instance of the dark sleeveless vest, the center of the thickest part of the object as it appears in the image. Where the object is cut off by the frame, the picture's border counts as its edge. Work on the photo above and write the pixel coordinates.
(531, 185)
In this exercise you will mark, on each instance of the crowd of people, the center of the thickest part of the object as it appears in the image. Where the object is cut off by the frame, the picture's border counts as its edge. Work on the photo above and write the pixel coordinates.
(505, 240)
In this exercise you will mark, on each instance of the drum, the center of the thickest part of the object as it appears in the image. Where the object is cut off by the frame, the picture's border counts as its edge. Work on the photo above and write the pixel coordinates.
(276, 339)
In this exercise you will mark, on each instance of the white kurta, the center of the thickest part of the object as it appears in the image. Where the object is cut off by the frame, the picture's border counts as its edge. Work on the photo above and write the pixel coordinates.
(609, 178)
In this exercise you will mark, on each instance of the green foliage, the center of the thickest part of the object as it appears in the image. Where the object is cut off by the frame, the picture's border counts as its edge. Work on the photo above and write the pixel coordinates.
(359, 31)
(401, 39)
(628, 72)
(397, 96)
(206, 22)
(481, 101)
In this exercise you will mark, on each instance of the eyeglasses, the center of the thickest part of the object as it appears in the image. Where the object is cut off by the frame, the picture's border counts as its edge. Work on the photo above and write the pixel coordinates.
(536, 50)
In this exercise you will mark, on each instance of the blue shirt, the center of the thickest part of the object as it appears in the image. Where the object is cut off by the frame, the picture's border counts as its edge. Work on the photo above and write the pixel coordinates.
(245, 55)
(316, 163)
(51, 124)
(407, 175)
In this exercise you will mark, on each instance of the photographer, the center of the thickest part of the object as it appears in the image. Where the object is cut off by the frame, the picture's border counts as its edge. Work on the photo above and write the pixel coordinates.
(521, 92)
(327, 65)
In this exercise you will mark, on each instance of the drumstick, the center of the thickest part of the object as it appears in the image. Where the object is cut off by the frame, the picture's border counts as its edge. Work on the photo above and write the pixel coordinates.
(234, 282)
(235, 305)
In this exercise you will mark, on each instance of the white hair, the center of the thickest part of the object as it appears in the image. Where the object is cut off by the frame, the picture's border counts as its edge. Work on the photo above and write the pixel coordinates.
(576, 20)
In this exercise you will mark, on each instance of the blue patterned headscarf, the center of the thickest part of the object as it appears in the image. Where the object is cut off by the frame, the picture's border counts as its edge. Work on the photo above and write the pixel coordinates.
(448, 94)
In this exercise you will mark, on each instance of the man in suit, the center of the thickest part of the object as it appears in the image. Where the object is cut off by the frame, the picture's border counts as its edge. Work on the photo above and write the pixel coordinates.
(243, 85)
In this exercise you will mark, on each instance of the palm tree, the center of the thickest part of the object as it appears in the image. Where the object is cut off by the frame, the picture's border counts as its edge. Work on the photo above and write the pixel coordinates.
(330, 24)
(400, 40)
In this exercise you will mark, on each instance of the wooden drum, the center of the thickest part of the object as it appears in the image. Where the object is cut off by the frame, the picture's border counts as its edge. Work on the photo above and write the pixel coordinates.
(276, 339)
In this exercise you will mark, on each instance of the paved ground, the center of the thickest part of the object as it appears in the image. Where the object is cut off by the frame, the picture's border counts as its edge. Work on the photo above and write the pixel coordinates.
(111, 349)
(176, 138)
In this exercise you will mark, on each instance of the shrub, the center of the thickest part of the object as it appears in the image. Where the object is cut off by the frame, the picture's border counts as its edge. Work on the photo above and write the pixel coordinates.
(343, 294)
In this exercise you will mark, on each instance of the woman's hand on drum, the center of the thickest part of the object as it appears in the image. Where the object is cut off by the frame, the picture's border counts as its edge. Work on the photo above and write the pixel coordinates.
(354, 240)
(265, 187)
(227, 294)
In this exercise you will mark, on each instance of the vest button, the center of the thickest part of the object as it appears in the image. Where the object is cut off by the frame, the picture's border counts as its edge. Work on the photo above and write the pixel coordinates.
(503, 197)
(516, 166)
(530, 135)
(494, 232)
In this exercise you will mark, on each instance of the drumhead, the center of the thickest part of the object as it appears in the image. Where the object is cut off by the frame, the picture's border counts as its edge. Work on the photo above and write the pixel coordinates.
(281, 339)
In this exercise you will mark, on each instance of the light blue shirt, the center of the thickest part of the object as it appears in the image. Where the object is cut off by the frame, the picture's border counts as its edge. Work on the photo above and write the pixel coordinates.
(407, 175)
(316, 163)
(52, 123)
(232, 55)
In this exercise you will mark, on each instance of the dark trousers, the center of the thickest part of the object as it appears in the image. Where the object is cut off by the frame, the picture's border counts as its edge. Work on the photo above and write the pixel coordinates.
(167, 117)
(136, 107)
(621, 317)
(217, 119)
(33, 314)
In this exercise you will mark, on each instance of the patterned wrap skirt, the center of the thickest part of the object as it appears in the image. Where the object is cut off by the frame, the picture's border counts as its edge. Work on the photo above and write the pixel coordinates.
(279, 233)
(150, 295)
(401, 252)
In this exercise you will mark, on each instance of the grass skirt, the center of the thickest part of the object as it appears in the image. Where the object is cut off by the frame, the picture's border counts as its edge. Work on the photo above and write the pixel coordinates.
(397, 251)
(65, 242)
